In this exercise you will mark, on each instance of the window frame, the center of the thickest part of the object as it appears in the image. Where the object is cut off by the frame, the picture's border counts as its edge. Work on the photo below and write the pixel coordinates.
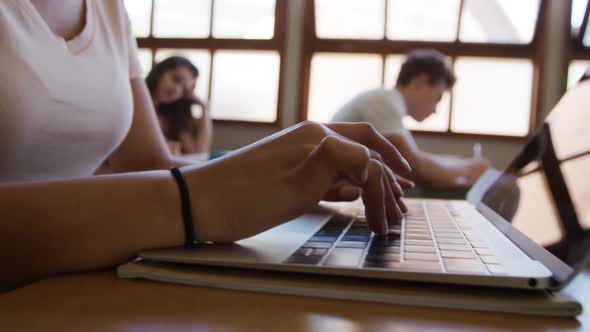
(212, 44)
(532, 51)
(577, 49)
(579, 38)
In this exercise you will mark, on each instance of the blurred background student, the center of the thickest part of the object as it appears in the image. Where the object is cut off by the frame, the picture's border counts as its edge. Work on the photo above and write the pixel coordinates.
(171, 83)
(423, 79)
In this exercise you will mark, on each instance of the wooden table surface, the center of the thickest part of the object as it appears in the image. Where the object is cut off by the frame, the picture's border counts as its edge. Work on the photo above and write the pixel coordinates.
(99, 301)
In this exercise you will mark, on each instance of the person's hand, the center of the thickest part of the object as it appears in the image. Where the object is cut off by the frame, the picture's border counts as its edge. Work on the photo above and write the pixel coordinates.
(475, 168)
(198, 101)
(279, 178)
(174, 147)
(471, 171)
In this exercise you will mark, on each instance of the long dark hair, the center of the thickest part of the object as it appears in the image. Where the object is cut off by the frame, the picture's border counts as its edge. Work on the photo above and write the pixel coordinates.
(171, 63)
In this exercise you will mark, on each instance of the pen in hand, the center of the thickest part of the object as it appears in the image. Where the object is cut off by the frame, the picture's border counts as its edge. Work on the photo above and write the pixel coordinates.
(477, 151)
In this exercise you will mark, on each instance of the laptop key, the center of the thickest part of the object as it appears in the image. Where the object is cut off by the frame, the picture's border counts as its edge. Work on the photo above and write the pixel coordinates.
(418, 236)
(358, 234)
(448, 235)
(329, 232)
(394, 232)
(357, 238)
(383, 257)
(426, 250)
(445, 229)
(351, 244)
(345, 257)
(457, 254)
(417, 232)
(454, 247)
(416, 256)
(310, 252)
(300, 259)
(387, 250)
(318, 245)
(322, 238)
(451, 241)
(414, 229)
(394, 227)
(387, 240)
(424, 243)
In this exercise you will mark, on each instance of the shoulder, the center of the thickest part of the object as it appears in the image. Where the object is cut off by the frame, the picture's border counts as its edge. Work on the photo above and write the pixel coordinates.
(112, 13)
(12, 14)
(377, 99)
(114, 7)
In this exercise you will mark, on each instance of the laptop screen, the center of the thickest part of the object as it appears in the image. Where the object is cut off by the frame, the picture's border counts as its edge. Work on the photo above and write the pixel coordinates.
(545, 192)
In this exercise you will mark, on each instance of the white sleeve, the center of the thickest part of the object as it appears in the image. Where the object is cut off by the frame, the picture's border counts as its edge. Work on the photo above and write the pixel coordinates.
(134, 64)
(383, 114)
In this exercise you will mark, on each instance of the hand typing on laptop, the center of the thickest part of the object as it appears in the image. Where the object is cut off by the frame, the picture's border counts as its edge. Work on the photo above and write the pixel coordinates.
(279, 178)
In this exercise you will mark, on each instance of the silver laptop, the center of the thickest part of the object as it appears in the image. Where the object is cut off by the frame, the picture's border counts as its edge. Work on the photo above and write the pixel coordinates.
(525, 227)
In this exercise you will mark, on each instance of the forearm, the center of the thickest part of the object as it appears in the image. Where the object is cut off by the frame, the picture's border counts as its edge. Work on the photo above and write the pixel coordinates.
(85, 224)
(427, 168)
(438, 170)
(200, 142)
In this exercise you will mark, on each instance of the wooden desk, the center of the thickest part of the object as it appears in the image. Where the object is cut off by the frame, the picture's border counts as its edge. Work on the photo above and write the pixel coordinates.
(101, 302)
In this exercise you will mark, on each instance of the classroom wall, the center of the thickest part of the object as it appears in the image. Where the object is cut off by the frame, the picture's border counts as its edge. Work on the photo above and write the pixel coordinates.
(500, 152)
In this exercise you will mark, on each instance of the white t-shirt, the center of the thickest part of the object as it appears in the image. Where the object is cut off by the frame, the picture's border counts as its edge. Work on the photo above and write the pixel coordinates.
(384, 109)
(64, 105)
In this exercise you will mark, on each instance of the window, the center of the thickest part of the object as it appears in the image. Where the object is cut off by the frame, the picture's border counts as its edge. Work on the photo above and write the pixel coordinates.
(580, 41)
(487, 93)
(335, 77)
(578, 11)
(353, 46)
(499, 21)
(576, 69)
(340, 19)
(236, 45)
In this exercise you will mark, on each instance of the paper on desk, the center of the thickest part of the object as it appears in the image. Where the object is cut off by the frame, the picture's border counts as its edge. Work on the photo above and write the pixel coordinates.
(381, 291)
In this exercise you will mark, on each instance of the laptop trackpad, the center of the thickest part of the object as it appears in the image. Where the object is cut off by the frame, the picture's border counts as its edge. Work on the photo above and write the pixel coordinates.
(272, 246)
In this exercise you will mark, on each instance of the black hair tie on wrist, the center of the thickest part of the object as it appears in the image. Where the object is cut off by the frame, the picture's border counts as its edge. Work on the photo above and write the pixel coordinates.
(187, 215)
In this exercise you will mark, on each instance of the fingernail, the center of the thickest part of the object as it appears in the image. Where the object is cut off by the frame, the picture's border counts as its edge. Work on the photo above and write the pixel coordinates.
(402, 206)
(407, 165)
(384, 227)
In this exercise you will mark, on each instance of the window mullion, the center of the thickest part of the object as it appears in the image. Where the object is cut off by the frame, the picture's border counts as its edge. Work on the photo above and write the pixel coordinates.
(449, 130)
(152, 18)
(583, 27)
(460, 20)
(212, 15)
(385, 20)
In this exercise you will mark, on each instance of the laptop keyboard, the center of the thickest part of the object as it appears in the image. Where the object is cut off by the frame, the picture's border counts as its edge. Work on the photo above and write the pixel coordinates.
(432, 238)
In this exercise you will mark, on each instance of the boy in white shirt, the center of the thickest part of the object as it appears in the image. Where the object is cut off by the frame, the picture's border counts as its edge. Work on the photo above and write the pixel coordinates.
(423, 79)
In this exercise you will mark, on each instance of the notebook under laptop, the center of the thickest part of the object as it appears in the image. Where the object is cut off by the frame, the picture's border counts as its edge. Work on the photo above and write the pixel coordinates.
(525, 227)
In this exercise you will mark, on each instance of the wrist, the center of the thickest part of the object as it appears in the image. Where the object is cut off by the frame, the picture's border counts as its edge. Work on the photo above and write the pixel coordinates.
(169, 230)
(207, 221)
